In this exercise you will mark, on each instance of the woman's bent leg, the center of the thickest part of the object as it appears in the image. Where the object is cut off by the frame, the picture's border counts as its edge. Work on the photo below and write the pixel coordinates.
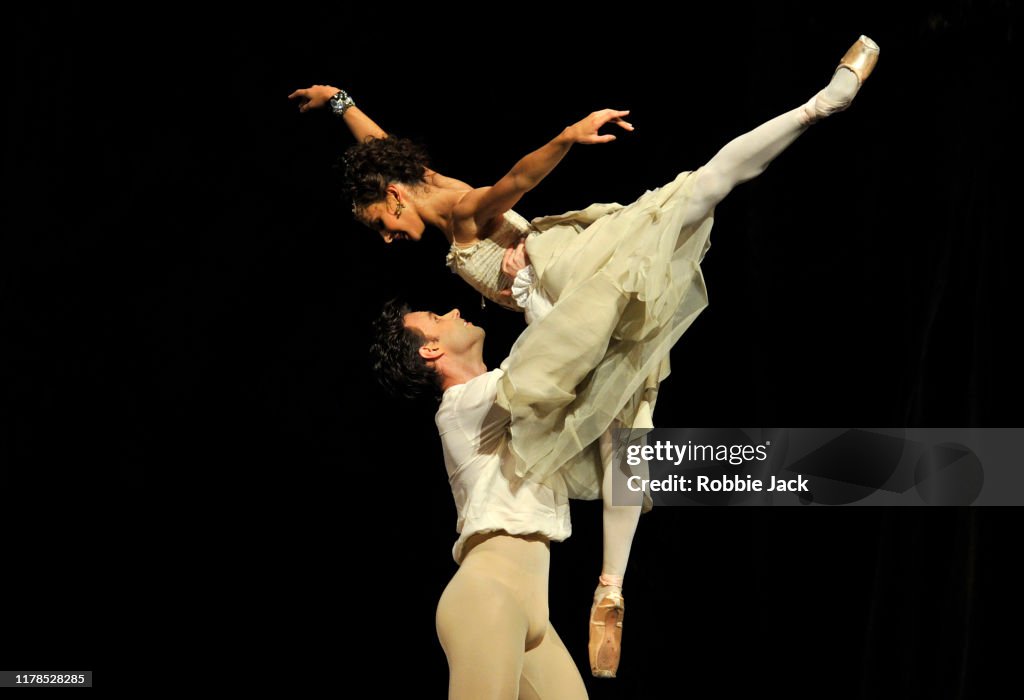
(620, 523)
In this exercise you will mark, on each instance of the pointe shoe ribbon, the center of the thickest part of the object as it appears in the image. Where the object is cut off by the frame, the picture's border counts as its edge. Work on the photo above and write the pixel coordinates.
(605, 645)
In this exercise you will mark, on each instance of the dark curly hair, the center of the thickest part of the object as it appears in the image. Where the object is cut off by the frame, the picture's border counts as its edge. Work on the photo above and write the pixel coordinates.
(395, 354)
(370, 166)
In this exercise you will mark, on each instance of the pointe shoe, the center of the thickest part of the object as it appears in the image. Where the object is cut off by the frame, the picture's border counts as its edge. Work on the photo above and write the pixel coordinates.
(860, 59)
(606, 635)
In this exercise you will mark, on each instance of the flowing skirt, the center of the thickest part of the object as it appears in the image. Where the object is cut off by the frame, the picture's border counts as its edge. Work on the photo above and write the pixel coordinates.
(627, 283)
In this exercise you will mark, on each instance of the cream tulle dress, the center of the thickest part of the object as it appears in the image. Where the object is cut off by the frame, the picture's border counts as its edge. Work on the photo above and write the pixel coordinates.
(626, 284)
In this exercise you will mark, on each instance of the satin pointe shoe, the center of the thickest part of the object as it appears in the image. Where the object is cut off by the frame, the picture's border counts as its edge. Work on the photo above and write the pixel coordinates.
(606, 635)
(861, 60)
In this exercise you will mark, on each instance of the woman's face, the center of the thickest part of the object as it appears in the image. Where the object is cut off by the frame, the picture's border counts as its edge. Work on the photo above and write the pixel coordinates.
(392, 222)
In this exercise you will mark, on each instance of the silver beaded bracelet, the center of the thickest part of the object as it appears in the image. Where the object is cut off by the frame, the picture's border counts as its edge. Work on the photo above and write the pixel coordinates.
(341, 102)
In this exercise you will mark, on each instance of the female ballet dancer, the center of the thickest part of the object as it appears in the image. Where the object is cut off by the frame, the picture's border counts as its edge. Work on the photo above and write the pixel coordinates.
(625, 283)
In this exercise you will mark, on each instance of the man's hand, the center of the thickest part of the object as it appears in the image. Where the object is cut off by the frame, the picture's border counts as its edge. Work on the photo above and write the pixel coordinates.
(313, 97)
(515, 259)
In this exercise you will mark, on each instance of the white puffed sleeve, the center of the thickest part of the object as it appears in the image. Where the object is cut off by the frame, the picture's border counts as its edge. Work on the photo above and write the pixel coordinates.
(529, 295)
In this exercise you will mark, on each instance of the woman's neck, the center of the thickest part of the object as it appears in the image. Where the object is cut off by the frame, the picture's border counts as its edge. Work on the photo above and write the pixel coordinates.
(436, 206)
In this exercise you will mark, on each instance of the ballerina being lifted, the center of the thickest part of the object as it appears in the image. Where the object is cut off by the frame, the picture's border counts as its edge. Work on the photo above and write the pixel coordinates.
(607, 290)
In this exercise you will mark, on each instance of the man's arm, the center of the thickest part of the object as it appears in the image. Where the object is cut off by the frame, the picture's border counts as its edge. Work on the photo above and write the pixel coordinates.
(525, 289)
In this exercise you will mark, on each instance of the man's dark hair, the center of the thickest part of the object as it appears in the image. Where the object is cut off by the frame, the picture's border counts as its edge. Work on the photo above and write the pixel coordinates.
(372, 164)
(395, 354)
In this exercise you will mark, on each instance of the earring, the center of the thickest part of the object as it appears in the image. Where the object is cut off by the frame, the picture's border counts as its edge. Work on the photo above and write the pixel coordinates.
(398, 209)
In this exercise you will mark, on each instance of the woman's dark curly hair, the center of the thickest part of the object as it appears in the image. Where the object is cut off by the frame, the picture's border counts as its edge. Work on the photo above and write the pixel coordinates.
(395, 354)
(370, 166)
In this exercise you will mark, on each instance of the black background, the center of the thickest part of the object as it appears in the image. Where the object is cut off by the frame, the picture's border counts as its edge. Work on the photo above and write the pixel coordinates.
(200, 476)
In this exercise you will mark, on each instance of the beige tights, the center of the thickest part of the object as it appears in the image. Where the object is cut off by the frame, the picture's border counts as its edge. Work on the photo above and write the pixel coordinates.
(493, 624)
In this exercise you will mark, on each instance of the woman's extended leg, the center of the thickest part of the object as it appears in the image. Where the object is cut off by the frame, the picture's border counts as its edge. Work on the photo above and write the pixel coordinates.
(747, 156)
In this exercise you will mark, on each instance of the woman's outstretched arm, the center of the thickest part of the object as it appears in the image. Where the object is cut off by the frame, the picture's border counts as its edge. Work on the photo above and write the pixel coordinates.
(316, 96)
(485, 203)
(361, 126)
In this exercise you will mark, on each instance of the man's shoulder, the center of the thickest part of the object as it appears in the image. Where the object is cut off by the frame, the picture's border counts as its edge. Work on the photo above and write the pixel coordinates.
(461, 402)
(474, 390)
(479, 380)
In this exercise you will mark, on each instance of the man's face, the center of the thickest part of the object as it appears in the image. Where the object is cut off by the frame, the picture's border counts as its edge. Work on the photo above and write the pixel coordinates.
(450, 334)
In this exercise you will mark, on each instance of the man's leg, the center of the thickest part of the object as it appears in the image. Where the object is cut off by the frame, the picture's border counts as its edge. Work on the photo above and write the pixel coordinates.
(549, 672)
(482, 628)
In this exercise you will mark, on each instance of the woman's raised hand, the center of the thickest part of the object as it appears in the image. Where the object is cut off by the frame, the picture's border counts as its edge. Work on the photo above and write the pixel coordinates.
(586, 130)
(313, 97)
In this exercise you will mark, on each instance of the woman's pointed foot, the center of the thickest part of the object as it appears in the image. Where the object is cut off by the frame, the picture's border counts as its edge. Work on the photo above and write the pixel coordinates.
(853, 70)
(606, 634)
(861, 58)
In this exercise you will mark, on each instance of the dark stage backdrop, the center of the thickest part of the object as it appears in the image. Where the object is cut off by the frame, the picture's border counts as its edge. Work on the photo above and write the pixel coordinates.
(200, 478)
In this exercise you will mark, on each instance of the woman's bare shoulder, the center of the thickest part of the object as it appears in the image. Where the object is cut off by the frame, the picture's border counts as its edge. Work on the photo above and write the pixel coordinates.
(467, 228)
